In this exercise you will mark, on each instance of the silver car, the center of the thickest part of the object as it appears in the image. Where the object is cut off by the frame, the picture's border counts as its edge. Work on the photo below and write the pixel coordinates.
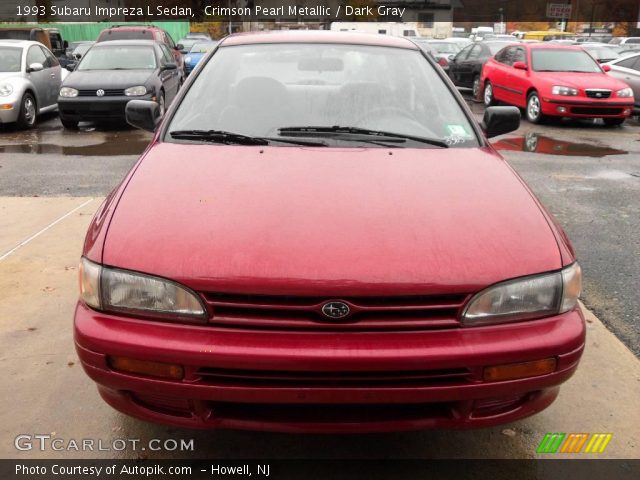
(29, 81)
(627, 69)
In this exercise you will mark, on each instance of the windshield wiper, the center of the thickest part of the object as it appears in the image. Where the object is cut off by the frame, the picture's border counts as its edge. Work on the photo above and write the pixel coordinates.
(360, 134)
(217, 136)
(229, 138)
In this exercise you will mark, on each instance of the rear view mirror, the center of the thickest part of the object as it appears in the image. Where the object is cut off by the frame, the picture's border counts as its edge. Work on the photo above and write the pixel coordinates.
(520, 66)
(71, 66)
(606, 68)
(179, 47)
(499, 120)
(143, 114)
(169, 66)
(35, 67)
(321, 64)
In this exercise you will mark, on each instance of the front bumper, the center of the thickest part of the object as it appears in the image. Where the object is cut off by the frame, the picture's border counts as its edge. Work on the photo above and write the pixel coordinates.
(197, 402)
(96, 108)
(562, 107)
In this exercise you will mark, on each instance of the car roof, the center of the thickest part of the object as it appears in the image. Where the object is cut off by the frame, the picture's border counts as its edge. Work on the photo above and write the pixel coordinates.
(553, 46)
(19, 43)
(126, 43)
(317, 36)
(133, 27)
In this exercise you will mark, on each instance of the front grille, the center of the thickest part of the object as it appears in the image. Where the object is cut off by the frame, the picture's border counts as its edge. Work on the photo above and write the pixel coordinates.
(596, 110)
(114, 92)
(329, 413)
(309, 379)
(367, 313)
(597, 93)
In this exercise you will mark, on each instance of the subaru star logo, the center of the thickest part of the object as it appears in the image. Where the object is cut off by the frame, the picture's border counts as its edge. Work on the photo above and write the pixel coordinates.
(100, 93)
(335, 310)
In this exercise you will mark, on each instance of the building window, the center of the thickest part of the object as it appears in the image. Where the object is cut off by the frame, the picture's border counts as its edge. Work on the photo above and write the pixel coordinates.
(425, 20)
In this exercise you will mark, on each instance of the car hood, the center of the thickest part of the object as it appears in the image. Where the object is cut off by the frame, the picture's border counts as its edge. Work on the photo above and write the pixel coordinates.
(91, 79)
(581, 80)
(327, 221)
(12, 76)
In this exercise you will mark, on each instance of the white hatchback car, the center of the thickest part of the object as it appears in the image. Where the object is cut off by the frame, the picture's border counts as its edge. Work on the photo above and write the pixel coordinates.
(30, 78)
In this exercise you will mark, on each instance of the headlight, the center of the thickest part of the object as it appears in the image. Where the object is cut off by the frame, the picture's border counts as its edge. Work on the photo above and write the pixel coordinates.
(135, 91)
(625, 93)
(115, 290)
(68, 92)
(187, 59)
(525, 298)
(560, 90)
(6, 89)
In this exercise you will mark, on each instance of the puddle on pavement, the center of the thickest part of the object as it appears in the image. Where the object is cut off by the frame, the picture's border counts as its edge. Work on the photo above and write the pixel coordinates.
(109, 148)
(534, 143)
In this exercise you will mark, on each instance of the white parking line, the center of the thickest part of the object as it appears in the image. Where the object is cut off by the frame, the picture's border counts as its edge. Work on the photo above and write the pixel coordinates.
(37, 234)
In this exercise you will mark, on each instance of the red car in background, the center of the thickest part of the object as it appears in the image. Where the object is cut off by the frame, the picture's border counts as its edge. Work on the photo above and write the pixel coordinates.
(555, 80)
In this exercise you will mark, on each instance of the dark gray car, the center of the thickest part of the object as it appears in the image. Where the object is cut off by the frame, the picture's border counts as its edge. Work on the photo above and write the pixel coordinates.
(111, 74)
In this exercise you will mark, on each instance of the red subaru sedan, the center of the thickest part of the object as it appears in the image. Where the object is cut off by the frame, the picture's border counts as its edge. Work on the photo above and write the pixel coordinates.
(319, 238)
(551, 80)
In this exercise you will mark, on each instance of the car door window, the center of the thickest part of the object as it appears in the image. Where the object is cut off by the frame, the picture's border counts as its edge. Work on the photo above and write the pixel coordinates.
(51, 61)
(501, 55)
(36, 55)
(508, 56)
(166, 54)
(632, 63)
(475, 52)
(519, 55)
(464, 53)
(170, 41)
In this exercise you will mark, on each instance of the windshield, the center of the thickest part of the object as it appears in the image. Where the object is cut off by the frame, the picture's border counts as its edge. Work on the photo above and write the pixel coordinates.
(602, 52)
(10, 59)
(82, 48)
(119, 58)
(560, 60)
(203, 47)
(117, 34)
(263, 88)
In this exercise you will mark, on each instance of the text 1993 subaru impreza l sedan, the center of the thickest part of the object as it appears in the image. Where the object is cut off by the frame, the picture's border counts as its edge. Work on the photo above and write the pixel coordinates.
(320, 238)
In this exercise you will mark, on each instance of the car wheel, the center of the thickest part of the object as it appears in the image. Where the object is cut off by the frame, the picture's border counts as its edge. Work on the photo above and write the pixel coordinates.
(69, 124)
(476, 86)
(28, 111)
(613, 121)
(161, 103)
(487, 96)
(534, 108)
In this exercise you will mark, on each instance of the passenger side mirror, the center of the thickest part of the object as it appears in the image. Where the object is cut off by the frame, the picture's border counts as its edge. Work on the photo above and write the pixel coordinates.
(65, 44)
(606, 68)
(520, 66)
(499, 120)
(35, 67)
(143, 114)
(179, 47)
(169, 66)
(71, 66)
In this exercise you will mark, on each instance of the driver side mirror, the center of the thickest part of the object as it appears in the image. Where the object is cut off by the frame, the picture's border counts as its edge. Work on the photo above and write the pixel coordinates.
(499, 120)
(179, 47)
(520, 66)
(35, 67)
(143, 114)
(71, 66)
(606, 68)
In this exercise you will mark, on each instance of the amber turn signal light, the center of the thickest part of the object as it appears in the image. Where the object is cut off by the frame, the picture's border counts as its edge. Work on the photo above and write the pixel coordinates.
(512, 371)
(144, 367)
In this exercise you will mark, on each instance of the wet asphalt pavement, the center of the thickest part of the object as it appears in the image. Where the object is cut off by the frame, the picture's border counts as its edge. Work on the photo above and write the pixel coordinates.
(587, 175)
